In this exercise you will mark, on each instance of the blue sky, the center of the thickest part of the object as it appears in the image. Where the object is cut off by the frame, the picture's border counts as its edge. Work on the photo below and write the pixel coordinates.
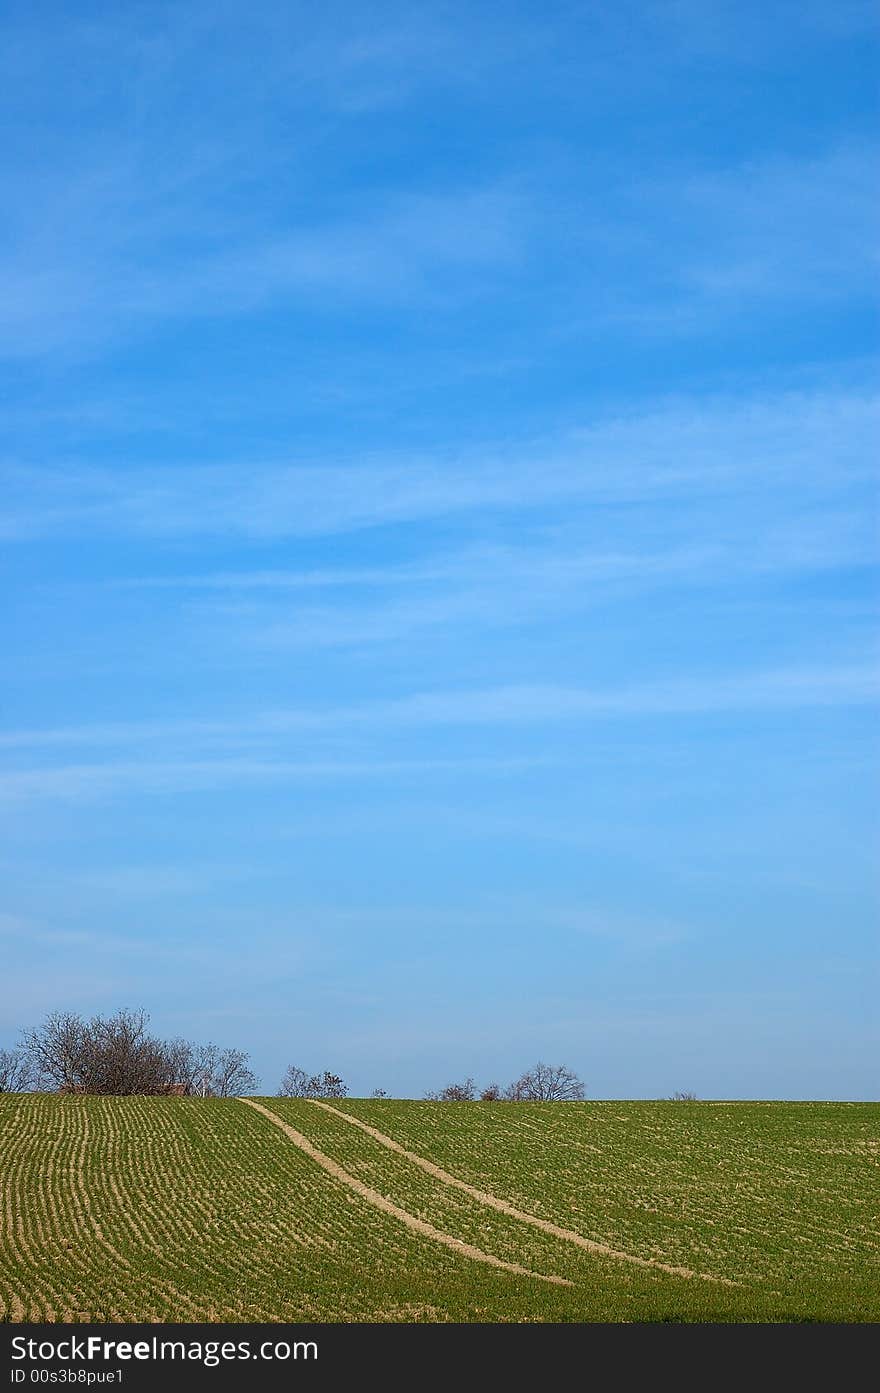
(439, 536)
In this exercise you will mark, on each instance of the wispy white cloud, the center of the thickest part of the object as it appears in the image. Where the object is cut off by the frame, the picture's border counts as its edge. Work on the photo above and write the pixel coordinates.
(718, 245)
(769, 690)
(86, 782)
(712, 449)
(143, 246)
(472, 591)
(156, 881)
(327, 578)
(409, 249)
(833, 538)
(106, 237)
(781, 226)
(557, 572)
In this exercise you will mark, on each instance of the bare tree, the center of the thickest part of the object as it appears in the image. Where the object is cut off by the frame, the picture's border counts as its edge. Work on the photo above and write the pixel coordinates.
(190, 1067)
(208, 1070)
(491, 1093)
(54, 1050)
(298, 1084)
(295, 1083)
(379, 1093)
(681, 1096)
(16, 1071)
(179, 1064)
(204, 1059)
(546, 1083)
(232, 1075)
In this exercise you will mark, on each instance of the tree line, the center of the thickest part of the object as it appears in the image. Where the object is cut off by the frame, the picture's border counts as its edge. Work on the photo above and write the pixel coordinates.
(543, 1083)
(117, 1055)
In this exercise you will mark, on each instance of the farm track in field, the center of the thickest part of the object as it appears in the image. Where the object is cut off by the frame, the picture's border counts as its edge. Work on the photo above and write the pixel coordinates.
(773, 1194)
(128, 1209)
(372, 1196)
(502, 1207)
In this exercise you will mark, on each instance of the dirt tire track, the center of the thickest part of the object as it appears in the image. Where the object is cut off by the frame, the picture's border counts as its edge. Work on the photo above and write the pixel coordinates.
(380, 1202)
(493, 1202)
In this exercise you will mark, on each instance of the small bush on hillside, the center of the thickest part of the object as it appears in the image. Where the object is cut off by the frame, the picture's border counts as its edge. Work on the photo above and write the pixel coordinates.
(298, 1084)
(455, 1093)
(116, 1055)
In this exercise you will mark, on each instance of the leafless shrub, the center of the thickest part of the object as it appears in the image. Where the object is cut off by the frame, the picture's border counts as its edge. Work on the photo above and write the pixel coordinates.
(546, 1083)
(454, 1093)
(298, 1084)
(379, 1093)
(116, 1055)
(329, 1085)
(112, 1054)
(681, 1096)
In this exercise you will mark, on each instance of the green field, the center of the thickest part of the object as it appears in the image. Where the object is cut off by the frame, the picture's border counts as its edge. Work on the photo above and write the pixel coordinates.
(189, 1209)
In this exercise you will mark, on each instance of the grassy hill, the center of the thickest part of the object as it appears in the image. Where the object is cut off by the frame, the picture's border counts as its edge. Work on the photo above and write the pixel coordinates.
(191, 1209)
